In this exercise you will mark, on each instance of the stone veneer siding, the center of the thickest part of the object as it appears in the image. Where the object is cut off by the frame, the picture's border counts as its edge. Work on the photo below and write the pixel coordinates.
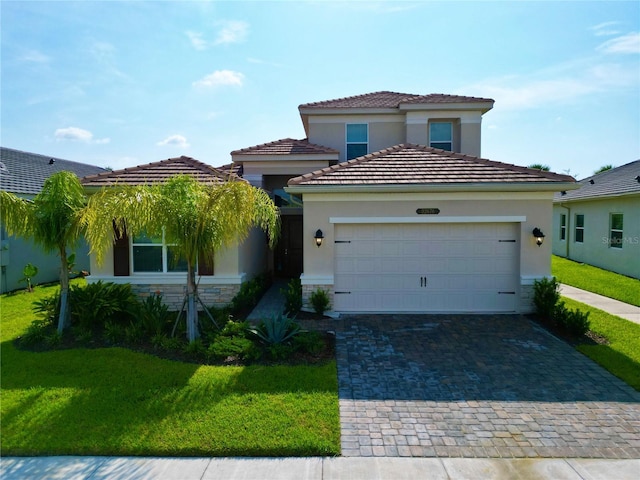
(307, 290)
(526, 299)
(173, 295)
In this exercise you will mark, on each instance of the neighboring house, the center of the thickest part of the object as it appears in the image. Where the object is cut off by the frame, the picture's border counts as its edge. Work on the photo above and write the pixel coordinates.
(599, 224)
(23, 174)
(403, 224)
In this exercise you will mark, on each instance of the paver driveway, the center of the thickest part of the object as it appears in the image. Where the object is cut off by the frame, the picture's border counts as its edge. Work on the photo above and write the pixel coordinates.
(476, 386)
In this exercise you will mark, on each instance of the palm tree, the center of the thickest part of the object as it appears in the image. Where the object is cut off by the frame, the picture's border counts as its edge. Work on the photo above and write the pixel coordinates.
(194, 217)
(539, 166)
(603, 168)
(52, 220)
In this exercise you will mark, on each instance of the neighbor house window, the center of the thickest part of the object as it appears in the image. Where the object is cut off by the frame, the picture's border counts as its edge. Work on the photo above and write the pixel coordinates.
(357, 140)
(441, 135)
(579, 235)
(153, 255)
(563, 226)
(615, 236)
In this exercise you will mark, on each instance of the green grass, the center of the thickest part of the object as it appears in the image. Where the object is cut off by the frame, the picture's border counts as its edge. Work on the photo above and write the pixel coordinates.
(622, 355)
(113, 401)
(596, 280)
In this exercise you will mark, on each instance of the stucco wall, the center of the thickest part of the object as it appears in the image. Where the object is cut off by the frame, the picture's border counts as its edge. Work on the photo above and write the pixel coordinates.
(596, 250)
(15, 253)
(535, 262)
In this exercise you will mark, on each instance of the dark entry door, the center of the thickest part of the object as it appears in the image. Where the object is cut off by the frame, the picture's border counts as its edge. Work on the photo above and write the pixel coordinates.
(288, 254)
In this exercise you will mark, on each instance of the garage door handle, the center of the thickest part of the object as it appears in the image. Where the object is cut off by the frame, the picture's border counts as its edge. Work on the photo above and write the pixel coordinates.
(342, 293)
(423, 281)
(506, 293)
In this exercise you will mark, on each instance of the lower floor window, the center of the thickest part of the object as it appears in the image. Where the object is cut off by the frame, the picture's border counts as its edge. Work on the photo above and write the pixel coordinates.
(579, 233)
(615, 236)
(154, 255)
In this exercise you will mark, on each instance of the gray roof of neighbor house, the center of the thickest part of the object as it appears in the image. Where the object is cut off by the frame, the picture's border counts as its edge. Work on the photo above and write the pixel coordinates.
(286, 146)
(24, 172)
(158, 172)
(623, 180)
(409, 164)
(386, 99)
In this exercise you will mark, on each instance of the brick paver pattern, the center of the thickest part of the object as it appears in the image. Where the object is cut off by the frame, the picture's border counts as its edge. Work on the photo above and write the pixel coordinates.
(476, 386)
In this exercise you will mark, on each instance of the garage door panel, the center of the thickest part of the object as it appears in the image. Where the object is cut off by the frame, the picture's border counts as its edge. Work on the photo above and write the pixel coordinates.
(465, 267)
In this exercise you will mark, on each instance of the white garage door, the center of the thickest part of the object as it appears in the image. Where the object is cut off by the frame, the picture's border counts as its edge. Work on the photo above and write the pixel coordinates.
(426, 267)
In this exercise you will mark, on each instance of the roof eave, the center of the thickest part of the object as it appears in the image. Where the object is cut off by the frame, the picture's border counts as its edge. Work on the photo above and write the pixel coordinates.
(596, 197)
(440, 187)
(484, 107)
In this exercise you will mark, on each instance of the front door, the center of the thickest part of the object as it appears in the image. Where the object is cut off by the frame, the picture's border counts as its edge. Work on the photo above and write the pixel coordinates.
(288, 253)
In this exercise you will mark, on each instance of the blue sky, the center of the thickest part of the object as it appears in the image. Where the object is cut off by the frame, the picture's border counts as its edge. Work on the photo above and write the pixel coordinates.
(119, 84)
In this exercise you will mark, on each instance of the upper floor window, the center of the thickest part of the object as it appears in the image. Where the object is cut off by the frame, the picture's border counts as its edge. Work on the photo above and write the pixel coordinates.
(579, 234)
(357, 140)
(615, 235)
(563, 226)
(441, 135)
(154, 255)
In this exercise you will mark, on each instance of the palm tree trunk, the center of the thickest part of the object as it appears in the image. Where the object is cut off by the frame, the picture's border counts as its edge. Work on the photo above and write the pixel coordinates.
(192, 307)
(63, 320)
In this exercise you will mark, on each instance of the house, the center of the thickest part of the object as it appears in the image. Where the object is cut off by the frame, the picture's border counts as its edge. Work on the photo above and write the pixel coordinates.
(23, 174)
(386, 205)
(599, 224)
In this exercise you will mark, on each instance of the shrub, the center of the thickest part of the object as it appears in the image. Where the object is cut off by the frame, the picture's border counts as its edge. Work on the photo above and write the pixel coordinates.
(133, 333)
(249, 294)
(195, 348)
(37, 332)
(97, 303)
(309, 342)
(545, 298)
(53, 339)
(113, 332)
(280, 351)
(233, 346)
(320, 301)
(276, 330)
(153, 315)
(573, 322)
(234, 328)
(81, 335)
(293, 297)
(48, 309)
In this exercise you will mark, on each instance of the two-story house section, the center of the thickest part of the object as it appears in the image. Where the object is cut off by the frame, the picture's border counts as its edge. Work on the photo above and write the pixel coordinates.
(362, 124)
(391, 208)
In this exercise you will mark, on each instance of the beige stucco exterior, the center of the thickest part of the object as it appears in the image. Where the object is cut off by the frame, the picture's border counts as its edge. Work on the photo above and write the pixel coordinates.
(388, 129)
(528, 209)
(596, 249)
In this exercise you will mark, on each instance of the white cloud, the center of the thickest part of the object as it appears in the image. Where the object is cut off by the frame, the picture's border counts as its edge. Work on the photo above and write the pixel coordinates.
(605, 29)
(219, 78)
(232, 32)
(174, 141)
(76, 134)
(196, 40)
(629, 43)
(35, 56)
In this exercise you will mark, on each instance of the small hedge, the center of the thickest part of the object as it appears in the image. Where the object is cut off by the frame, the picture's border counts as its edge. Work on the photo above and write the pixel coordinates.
(554, 313)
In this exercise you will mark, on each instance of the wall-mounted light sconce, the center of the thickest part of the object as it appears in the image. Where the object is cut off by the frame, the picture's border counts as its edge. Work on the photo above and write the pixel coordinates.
(318, 237)
(539, 236)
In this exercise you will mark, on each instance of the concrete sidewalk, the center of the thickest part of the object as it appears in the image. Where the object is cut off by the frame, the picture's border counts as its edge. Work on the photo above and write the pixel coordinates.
(313, 468)
(609, 305)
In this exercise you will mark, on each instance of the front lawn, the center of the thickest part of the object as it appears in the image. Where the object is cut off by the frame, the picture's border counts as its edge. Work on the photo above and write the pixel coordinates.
(596, 280)
(113, 401)
(621, 354)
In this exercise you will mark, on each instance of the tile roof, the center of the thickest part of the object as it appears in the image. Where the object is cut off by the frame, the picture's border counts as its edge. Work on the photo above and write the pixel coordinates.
(157, 172)
(24, 172)
(391, 100)
(623, 180)
(286, 146)
(409, 164)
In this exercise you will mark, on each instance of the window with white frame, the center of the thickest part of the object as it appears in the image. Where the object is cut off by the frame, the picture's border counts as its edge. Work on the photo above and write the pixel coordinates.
(153, 255)
(441, 135)
(615, 235)
(563, 226)
(579, 233)
(357, 140)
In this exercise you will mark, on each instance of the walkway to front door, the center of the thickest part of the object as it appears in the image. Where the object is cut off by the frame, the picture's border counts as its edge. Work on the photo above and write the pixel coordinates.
(476, 386)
